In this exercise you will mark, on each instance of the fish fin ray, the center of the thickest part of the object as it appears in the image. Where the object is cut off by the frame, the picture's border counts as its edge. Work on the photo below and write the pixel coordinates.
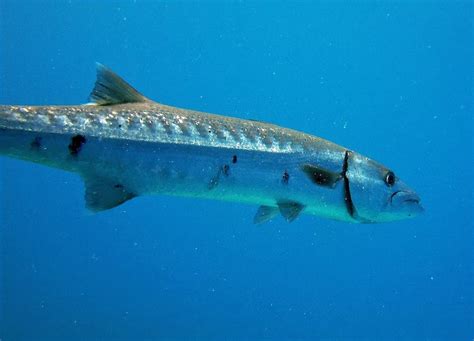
(290, 210)
(321, 176)
(111, 89)
(265, 214)
(102, 194)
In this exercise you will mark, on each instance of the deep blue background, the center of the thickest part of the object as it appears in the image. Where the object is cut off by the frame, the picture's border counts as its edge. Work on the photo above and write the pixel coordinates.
(391, 80)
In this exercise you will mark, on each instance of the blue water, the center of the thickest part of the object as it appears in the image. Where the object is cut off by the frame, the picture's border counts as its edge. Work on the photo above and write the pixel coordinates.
(391, 80)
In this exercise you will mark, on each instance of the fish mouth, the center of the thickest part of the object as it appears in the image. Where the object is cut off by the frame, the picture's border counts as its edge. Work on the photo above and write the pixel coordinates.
(406, 199)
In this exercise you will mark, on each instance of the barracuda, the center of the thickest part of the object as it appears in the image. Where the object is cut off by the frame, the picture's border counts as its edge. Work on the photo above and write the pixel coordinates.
(124, 145)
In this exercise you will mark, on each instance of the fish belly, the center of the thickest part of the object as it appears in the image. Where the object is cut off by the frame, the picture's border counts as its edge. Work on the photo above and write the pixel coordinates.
(230, 174)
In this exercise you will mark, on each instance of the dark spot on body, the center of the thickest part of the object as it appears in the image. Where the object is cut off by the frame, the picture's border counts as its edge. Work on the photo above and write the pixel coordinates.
(223, 171)
(118, 186)
(226, 170)
(76, 144)
(285, 178)
(120, 126)
(36, 143)
(234, 159)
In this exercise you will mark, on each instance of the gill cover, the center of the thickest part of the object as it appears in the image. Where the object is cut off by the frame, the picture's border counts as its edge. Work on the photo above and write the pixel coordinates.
(376, 192)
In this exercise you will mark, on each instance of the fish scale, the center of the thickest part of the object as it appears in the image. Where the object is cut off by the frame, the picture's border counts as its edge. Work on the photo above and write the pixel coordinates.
(153, 123)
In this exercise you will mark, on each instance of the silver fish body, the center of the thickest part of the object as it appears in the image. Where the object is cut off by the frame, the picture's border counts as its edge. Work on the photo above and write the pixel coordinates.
(125, 145)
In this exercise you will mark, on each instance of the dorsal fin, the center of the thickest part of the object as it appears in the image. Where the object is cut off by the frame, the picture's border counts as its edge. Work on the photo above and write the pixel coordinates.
(110, 89)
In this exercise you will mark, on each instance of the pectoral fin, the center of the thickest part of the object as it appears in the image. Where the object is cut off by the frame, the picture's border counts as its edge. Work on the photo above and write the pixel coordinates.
(103, 194)
(321, 176)
(265, 214)
(290, 210)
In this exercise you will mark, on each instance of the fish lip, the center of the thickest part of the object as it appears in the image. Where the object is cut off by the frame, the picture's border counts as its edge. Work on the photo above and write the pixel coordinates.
(406, 197)
(413, 200)
(411, 196)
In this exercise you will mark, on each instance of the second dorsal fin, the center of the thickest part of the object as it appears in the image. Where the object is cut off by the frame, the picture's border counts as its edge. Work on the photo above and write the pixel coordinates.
(110, 89)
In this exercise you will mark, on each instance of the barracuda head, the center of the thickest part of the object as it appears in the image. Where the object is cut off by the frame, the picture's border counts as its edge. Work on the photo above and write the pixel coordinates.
(376, 193)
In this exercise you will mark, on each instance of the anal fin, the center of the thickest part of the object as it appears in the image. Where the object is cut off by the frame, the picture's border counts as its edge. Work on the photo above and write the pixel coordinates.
(103, 194)
(265, 214)
(290, 210)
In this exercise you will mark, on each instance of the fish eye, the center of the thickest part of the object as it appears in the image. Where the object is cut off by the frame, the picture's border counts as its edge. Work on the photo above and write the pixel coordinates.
(389, 178)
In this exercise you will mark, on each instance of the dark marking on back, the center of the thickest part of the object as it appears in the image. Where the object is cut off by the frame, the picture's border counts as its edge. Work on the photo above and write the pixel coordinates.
(76, 144)
(285, 178)
(234, 159)
(36, 143)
